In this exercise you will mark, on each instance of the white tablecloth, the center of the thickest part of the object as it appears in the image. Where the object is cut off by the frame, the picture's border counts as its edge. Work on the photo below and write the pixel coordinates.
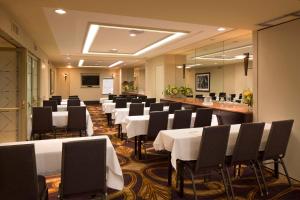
(110, 107)
(105, 100)
(49, 154)
(63, 107)
(138, 125)
(60, 120)
(120, 114)
(65, 102)
(184, 144)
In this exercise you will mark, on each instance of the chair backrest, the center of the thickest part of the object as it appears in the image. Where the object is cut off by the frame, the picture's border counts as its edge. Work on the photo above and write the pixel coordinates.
(18, 172)
(222, 95)
(121, 103)
(136, 100)
(212, 94)
(73, 96)
(76, 118)
(73, 102)
(143, 98)
(213, 147)
(128, 98)
(182, 119)
(232, 96)
(156, 107)
(149, 101)
(158, 121)
(57, 99)
(248, 141)
(136, 109)
(278, 139)
(42, 120)
(50, 103)
(110, 96)
(203, 117)
(199, 96)
(174, 106)
(83, 167)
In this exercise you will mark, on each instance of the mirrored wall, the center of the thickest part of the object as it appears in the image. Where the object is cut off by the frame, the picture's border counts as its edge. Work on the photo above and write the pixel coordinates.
(218, 67)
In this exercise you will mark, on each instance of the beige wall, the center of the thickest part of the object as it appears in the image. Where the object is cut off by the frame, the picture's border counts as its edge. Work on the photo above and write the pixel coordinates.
(72, 84)
(229, 78)
(278, 83)
(139, 77)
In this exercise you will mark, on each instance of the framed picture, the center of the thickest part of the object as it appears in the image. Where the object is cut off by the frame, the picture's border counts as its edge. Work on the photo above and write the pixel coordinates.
(202, 82)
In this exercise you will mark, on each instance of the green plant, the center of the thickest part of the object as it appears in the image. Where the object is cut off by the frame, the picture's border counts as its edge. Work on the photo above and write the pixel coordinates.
(173, 91)
(128, 86)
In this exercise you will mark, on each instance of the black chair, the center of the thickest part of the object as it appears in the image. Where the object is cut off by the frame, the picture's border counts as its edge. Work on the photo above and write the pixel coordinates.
(136, 109)
(203, 117)
(143, 98)
(115, 98)
(240, 96)
(122, 96)
(19, 179)
(42, 122)
(129, 98)
(150, 101)
(174, 106)
(136, 100)
(77, 119)
(213, 96)
(57, 99)
(52, 104)
(156, 107)
(232, 96)
(211, 156)
(83, 171)
(246, 150)
(111, 96)
(199, 96)
(121, 103)
(73, 96)
(182, 119)
(73, 102)
(276, 146)
(222, 95)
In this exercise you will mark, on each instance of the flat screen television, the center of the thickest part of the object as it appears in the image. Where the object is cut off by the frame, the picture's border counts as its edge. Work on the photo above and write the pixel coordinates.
(90, 80)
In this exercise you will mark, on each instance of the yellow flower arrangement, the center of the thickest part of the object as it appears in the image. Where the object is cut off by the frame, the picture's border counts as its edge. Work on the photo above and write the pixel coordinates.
(248, 97)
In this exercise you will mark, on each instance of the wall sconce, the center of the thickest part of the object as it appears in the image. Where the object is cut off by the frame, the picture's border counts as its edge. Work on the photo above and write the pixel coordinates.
(65, 76)
(112, 75)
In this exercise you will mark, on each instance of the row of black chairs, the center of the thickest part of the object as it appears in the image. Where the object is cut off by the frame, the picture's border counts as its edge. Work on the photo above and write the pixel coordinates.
(122, 102)
(221, 95)
(42, 121)
(213, 147)
(53, 103)
(83, 171)
(128, 97)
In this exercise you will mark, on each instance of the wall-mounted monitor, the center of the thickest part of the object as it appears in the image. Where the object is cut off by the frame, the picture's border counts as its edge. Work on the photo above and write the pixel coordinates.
(90, 80)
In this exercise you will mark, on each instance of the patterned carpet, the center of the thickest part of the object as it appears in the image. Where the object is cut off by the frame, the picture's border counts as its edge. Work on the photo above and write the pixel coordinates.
(147, 179)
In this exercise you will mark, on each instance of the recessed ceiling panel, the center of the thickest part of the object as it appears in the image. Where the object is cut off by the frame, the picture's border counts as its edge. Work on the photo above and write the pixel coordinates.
(112, 40)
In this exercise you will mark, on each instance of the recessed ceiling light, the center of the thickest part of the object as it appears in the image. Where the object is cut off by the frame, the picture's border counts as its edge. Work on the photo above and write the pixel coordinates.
(60, 11)
(116, 63)
(80, 63)
(221, 29)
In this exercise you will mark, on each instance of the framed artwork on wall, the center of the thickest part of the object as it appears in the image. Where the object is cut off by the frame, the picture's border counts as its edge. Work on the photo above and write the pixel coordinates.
(202, 82)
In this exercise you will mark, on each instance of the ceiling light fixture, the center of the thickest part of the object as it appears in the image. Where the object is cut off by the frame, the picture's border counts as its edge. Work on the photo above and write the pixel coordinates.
(116, 63)
(93, 30)
(80, 63)
(221, 29)
(60, 11)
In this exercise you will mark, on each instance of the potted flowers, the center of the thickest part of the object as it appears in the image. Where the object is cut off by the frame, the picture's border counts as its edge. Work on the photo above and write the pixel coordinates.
(248, 97)
(174, 91)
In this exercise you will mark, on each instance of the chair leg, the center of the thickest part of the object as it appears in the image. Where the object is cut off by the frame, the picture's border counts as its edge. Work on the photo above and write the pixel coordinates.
(225, 183)
(257, 179)
(286, 172)
(193, 182)
(263, 178)
(229, 181)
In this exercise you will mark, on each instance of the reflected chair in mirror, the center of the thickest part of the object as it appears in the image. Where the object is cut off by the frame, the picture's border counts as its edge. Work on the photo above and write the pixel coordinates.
(149, 101)
(275, 148)
(211, 157)
(18, 172)
(246, 150)
(199, 96)
(73, 102)
(182, 119)
(203, 117)
(232, 97)
(52, 104)
(77, 120)
(222, 95)
(83, 174)
(136, 100)
(158, 121)
(174, 106)
(143, 98)
(111, 96)
(121, 103)
(156, 107)
(42, 122)
(213, 96)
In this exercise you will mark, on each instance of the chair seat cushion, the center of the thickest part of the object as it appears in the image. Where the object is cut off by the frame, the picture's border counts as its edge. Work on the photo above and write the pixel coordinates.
(42, 186)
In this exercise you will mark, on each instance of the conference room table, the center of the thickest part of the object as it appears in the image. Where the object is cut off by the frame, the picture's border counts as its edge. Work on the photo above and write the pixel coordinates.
(137, 126)
(60, 120)
(49, 155)
(184, 144)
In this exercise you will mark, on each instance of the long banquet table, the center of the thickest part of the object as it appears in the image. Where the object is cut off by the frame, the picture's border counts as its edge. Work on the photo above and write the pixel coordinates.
(49, 154)
(60, 120)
